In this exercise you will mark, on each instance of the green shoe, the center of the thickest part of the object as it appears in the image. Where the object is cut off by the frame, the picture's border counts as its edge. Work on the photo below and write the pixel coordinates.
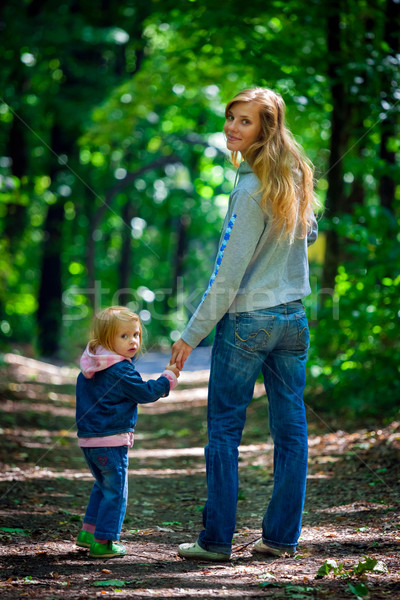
(84, 539)
(109, 550)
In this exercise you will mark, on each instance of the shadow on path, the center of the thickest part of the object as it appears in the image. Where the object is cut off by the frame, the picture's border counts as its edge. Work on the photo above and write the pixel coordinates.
(351, 508)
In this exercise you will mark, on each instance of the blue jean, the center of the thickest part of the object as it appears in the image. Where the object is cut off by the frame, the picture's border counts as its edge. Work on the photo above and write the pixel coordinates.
(108, 499)
(274, 342)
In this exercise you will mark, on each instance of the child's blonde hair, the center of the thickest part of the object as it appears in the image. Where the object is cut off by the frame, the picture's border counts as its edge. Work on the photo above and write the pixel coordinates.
(279, 162)
(105, 326)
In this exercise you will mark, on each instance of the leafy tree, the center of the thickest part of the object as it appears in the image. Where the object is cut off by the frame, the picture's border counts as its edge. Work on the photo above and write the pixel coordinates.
(114, 182)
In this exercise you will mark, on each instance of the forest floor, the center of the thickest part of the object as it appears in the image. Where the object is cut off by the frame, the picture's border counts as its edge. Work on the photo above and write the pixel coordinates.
(351, 516)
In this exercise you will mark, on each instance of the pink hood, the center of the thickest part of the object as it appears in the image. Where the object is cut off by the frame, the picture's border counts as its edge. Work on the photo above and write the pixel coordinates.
(92, 363)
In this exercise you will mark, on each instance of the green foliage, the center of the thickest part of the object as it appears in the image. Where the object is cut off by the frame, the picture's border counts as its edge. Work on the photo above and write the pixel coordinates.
(110, 582)
(6, 532)
(127, 114)
(30, 579)
(329, 566)
(291, 591)
(360, 590)
(109, 123)
(367, 565)
(355, 354)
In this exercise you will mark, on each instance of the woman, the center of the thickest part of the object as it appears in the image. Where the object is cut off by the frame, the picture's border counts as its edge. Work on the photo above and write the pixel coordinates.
(254, 297)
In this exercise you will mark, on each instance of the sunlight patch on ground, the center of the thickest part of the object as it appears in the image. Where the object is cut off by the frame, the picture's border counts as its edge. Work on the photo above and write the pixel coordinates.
(58, 375)
(165, 473)
(15, 474)
(48, 435)
(29, 368)
(355, 507)
(11, 406)
(192, 397)
(350, 534)
(175, 452)
(175, 592)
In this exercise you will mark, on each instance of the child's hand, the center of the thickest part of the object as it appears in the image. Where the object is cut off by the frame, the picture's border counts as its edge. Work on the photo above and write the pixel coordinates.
(174, 369)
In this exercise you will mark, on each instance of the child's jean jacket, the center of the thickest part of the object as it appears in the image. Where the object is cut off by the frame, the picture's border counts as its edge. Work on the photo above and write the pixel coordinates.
(106, 403)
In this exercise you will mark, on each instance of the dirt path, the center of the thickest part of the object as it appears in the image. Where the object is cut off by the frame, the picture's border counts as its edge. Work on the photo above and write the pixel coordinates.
(351, 515)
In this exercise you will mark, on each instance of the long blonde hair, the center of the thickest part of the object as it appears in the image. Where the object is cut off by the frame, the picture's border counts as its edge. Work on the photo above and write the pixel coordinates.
(280, 163)
(105, 326)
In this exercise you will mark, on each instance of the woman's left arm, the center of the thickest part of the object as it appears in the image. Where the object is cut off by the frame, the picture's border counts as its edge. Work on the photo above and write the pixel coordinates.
(240, 239)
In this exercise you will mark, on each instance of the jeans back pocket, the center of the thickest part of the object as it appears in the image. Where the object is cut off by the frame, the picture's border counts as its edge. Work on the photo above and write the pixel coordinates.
(303, 332)
(253, 332)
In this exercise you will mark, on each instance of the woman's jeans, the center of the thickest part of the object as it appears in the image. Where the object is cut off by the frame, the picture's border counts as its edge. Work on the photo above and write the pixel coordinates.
(108, 499)
(274, 342)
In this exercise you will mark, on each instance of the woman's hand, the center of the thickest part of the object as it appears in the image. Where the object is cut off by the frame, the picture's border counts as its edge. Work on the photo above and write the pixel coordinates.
(180, 352)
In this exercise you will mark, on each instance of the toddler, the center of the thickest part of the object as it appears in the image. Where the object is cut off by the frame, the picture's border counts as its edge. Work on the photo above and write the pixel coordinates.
(107, 394)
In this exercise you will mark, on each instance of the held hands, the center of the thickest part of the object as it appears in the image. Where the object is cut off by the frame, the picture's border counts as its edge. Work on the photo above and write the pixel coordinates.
(180, 352)
(174, 369)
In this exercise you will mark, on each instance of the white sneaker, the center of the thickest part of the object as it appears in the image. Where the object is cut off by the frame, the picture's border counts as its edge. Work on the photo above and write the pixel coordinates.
(196, 551)
(262, 548)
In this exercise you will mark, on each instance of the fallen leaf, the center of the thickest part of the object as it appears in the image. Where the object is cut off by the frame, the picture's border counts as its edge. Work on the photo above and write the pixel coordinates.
(15, 530)
(115, 582)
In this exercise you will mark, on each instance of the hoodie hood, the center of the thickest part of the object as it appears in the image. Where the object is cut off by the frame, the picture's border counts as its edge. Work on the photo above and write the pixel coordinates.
(91, 363)
(244, 168)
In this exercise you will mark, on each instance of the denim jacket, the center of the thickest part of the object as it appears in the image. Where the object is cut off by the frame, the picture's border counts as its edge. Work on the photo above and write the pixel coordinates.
(107, 403)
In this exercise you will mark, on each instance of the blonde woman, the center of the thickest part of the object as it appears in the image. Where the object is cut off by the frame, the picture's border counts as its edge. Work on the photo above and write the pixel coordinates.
(255, 298)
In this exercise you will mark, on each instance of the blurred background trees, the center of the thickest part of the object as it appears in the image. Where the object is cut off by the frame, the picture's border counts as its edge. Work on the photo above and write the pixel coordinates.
(114, 177)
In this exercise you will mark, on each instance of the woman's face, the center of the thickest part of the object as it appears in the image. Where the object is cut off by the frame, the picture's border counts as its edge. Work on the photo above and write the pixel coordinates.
(242, 126)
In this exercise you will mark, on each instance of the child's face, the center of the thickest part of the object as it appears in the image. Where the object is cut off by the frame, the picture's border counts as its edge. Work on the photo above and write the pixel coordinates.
(126, 341)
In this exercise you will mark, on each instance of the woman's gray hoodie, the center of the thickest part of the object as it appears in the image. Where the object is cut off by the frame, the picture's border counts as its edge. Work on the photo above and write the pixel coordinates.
(256, 267)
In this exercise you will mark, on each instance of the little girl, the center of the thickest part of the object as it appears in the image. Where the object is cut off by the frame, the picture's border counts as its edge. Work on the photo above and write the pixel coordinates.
(107, 394)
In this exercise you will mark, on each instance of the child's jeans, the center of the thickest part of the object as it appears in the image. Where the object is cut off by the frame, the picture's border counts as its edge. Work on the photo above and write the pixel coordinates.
(108, 499)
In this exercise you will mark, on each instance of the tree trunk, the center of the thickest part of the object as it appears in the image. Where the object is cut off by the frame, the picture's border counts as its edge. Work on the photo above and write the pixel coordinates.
(335, 200)
(125, 268)
(389, 125)
(178, 232)
(181, 247)
(49, 314)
